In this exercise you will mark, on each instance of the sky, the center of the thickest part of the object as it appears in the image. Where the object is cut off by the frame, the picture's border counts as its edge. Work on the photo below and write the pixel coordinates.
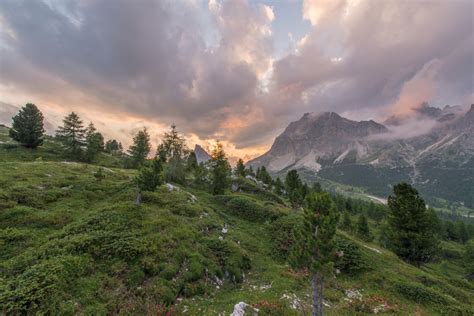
(236, 71)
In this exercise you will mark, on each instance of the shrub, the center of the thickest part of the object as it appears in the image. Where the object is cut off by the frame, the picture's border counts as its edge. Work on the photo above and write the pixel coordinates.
(281, 233)
(248, 209)
(353, 260)
(232, 260)
(420, 294)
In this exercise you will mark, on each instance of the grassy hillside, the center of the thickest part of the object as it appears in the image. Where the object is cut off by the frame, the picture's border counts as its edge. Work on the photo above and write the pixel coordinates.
(72, 244)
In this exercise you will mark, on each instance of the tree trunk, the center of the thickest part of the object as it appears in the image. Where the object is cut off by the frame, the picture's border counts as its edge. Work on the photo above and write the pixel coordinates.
(315, 295)
(138, 198)
(321, 296)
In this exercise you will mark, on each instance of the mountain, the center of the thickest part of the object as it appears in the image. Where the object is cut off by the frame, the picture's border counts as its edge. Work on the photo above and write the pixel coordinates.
(201, 154)
(432, 149)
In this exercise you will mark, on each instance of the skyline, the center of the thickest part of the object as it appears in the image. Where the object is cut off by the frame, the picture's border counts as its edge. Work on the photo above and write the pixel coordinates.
(236, 71)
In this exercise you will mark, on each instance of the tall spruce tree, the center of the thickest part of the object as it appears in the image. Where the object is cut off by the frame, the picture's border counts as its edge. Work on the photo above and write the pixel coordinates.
(72, 134)
(240, 168)
(412, 236)
(346, 221)
(174, 148)
(27, 127)
(140, 149)
(363, 229)
(220, 170)
(112, 146)
(314, 247)
(94, 142)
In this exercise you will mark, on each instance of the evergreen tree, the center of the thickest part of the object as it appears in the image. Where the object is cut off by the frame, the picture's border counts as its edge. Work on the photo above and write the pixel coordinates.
(412, 237)
(191, 162)
(174, 148)
(99, 174)
(94, 142)
(113, 146)
(450, 231)
(220, 170)
(250, 171)
(148, 178)
(140, 149)
(278, 187)
(314, 247)
(363, 229)
(27, 127)
(72, 134)
(263, 175)
(469, 260)
(240, 168)
(346, 221)
(292, 181)
(462, 231)
(317, 187)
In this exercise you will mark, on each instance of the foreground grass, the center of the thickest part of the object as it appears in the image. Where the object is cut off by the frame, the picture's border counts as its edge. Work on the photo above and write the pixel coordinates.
(71, 244)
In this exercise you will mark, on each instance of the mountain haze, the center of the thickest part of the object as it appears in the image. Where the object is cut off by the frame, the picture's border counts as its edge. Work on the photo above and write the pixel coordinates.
(432, 149)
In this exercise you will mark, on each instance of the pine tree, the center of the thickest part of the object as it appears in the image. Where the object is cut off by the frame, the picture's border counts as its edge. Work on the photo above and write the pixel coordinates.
(27, 127)
(263, 175)
(412, 237)
(220, 170)
(148, 178)
(240, 168)
(295, 189)
(94, 142)
(174, 148)
(72, 134)
(363, 229)
(462, 231)
(140, 149)
(314, 244)
(113, 146)
(191, 161)
(278, 187)
(346, 221)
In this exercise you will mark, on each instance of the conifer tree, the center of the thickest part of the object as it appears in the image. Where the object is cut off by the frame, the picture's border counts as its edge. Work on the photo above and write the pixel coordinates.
(462, 231)
(174, 148)
(113, 146)
(220, 170)
(94, 142)
(240, 168)
(412, 236)
(263, 175)
(27, 127)
(278, 187)
(191, 161)
(314, 247)
(469, 260)
(317, 187)
(250, 172)
(148, 178)
(140, 149)
(346, 221)
(72, 134)
(363, 229)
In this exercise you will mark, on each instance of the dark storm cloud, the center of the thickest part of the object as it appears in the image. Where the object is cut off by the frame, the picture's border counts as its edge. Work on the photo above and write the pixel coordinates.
(203, 67)
(148, 58)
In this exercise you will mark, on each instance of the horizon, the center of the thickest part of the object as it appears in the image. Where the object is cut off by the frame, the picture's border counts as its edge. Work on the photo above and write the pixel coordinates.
(234, 71)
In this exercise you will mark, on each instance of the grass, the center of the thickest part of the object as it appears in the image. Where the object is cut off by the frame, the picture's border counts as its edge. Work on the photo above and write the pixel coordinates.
(72, 244)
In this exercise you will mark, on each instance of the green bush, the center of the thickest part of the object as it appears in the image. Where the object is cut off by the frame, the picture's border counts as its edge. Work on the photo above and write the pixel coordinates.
(281, 233)
(420, 294)
(248, 209)
(353, 260)
(232, 260)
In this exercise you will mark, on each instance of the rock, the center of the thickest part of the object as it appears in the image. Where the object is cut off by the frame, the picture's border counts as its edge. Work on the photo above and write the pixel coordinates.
(241, 308)
(68, 187)
(373, 249)
(224, 229)
(171, 187)
(234, 187)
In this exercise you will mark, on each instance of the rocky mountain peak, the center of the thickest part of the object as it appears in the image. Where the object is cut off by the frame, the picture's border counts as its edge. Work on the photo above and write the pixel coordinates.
(201, 154)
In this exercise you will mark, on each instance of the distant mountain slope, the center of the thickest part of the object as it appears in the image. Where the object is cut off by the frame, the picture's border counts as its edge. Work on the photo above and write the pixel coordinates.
(432, 149)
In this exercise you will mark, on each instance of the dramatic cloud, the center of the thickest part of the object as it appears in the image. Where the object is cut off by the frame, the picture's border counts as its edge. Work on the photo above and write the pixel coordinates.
(211, 67)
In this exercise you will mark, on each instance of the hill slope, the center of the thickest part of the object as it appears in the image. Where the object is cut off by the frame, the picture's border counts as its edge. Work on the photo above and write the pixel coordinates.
(72, 244)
